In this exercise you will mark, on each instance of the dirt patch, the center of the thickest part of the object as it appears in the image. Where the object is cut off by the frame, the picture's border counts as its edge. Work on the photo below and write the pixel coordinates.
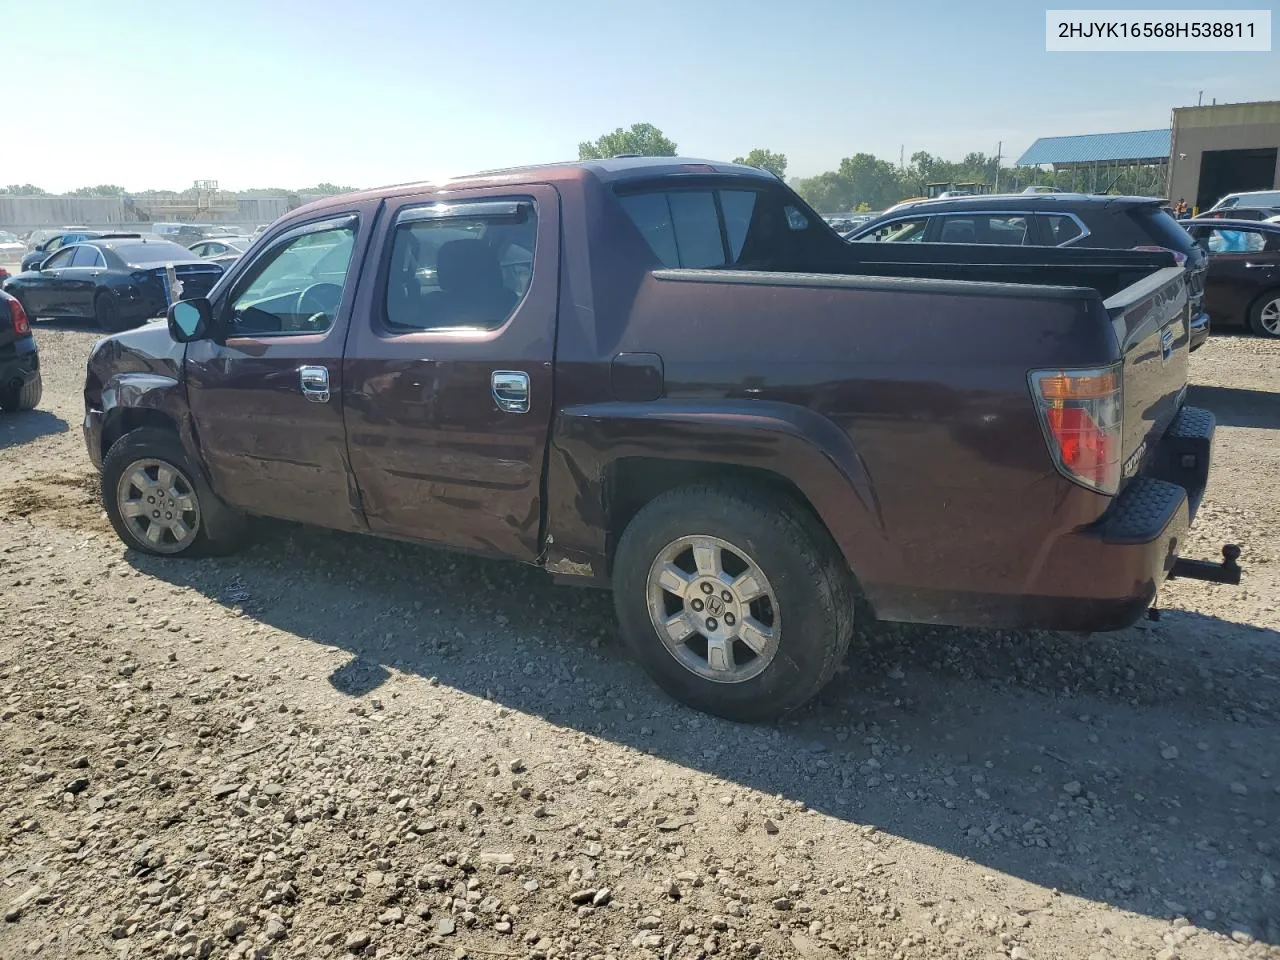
(70, 499)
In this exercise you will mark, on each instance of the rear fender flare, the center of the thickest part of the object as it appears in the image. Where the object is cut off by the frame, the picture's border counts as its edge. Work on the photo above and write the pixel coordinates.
(791, 442)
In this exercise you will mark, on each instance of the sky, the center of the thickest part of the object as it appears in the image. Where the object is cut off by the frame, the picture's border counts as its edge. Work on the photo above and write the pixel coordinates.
(290, 94)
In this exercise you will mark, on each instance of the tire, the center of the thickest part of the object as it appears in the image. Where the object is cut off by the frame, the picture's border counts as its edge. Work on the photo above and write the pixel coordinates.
(1264, 315)
(800, 625)
(106, 312)
(133, 471)
(22, 397)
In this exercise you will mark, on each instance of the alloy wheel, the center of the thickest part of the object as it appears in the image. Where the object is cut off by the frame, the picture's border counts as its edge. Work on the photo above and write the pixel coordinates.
(714, 609)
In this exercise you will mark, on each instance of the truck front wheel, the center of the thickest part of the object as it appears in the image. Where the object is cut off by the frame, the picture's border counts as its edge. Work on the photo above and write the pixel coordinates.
(736, 601)
(159, 504)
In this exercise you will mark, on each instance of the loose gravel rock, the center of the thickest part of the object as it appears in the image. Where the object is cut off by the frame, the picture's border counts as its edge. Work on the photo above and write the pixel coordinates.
(331, 746)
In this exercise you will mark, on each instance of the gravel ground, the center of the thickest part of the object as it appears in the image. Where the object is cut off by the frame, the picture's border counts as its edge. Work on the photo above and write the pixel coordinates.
(331, 745)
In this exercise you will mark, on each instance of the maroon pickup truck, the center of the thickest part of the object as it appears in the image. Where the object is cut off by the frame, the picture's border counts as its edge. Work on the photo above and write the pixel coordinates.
(672, 378)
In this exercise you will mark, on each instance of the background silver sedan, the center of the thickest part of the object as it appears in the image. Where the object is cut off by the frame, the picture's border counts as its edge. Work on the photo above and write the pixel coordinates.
(224, 251)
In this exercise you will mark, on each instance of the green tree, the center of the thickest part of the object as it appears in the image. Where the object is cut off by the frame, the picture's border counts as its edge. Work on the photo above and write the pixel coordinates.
(328, 189)
(643, 139)
(24, 190)
(775, 163)
(828, 192)
(101, 190)
(873, 181)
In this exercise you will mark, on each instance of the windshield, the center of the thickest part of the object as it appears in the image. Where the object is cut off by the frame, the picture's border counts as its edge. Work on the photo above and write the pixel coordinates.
(6, 237)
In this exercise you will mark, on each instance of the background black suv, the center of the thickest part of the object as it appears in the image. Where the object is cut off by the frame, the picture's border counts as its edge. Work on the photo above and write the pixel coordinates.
(1049, 220)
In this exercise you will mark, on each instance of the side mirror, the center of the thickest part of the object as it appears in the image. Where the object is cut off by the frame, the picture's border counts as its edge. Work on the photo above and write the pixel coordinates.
(190, 320)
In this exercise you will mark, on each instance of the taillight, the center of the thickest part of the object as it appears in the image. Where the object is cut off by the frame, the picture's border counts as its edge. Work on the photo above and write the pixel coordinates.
(1179, 257)
(1082, 414)
(21, 325)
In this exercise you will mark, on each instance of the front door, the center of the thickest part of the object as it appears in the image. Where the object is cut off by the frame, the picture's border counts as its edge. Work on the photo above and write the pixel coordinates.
(448, 373)
(267, 400)
(40, 291)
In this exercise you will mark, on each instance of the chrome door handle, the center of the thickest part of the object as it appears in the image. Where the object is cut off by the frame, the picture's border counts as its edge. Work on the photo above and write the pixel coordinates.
(315, 383)
(1258, 266)
(511, 390)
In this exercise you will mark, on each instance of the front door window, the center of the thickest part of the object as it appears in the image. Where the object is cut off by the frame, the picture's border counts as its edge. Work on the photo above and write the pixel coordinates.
(296, 287)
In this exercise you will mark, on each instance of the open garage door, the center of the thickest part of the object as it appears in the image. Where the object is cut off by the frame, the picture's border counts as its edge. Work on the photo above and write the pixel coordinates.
(1232, 171)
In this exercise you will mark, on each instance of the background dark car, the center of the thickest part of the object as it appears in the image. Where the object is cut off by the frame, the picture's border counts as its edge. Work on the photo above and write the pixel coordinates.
(224, 251)
(1243, 286)
(118, 282)
(20, 384)
(1052, 220)
(65, 238)
(1241, 213)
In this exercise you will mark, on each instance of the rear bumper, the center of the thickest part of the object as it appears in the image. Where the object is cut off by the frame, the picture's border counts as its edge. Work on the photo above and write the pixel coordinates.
(1199, 331)
(1099, 576)
(139, 303)
(19, 363)
(1113, 567)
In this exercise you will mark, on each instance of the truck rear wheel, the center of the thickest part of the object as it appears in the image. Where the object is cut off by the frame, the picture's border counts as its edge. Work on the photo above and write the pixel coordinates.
(735, 601)
(159, 504)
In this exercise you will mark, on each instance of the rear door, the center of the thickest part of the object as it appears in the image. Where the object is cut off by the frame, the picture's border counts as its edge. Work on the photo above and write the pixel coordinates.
(448, 373)
(267, 400)
(79, 281)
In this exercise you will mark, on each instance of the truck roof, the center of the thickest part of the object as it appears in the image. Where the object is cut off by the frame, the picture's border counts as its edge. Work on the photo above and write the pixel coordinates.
(613, 170)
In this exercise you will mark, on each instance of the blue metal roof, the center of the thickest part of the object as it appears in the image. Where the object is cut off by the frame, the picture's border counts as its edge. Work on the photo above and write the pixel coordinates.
(1099, 148)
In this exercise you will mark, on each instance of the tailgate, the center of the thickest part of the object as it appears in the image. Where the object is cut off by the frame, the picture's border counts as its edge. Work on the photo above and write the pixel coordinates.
(1151, 320)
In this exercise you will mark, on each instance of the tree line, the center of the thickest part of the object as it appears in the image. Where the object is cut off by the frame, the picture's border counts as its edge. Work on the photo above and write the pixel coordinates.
(866, 182)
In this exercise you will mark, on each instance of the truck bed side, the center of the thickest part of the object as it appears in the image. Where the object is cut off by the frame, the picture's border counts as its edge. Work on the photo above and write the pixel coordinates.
(925, 378)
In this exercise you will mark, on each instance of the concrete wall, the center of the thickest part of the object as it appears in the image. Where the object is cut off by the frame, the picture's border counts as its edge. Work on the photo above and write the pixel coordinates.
(26, 213)
(21, 214)
(1227, 126)
(255, 210)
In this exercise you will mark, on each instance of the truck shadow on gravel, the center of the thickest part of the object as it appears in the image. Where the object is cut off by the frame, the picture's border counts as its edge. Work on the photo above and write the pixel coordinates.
(19, 428)
(1138, 769)
(1238, 406)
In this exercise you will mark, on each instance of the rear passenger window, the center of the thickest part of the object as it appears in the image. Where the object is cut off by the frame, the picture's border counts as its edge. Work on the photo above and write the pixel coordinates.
(464, 266)
(697, 229)
(87, 257)
(999, 229)
(682, 227)
(738, 205)
(1236, 241)
(700, 229)
(1060, 229)
(652, 217)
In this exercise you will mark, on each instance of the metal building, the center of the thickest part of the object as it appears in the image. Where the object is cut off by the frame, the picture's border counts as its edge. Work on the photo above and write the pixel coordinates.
(1092, 162)
(1224, 148)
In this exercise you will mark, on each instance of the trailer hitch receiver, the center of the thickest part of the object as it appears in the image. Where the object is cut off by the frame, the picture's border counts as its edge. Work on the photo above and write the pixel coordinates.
(1228, 571)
